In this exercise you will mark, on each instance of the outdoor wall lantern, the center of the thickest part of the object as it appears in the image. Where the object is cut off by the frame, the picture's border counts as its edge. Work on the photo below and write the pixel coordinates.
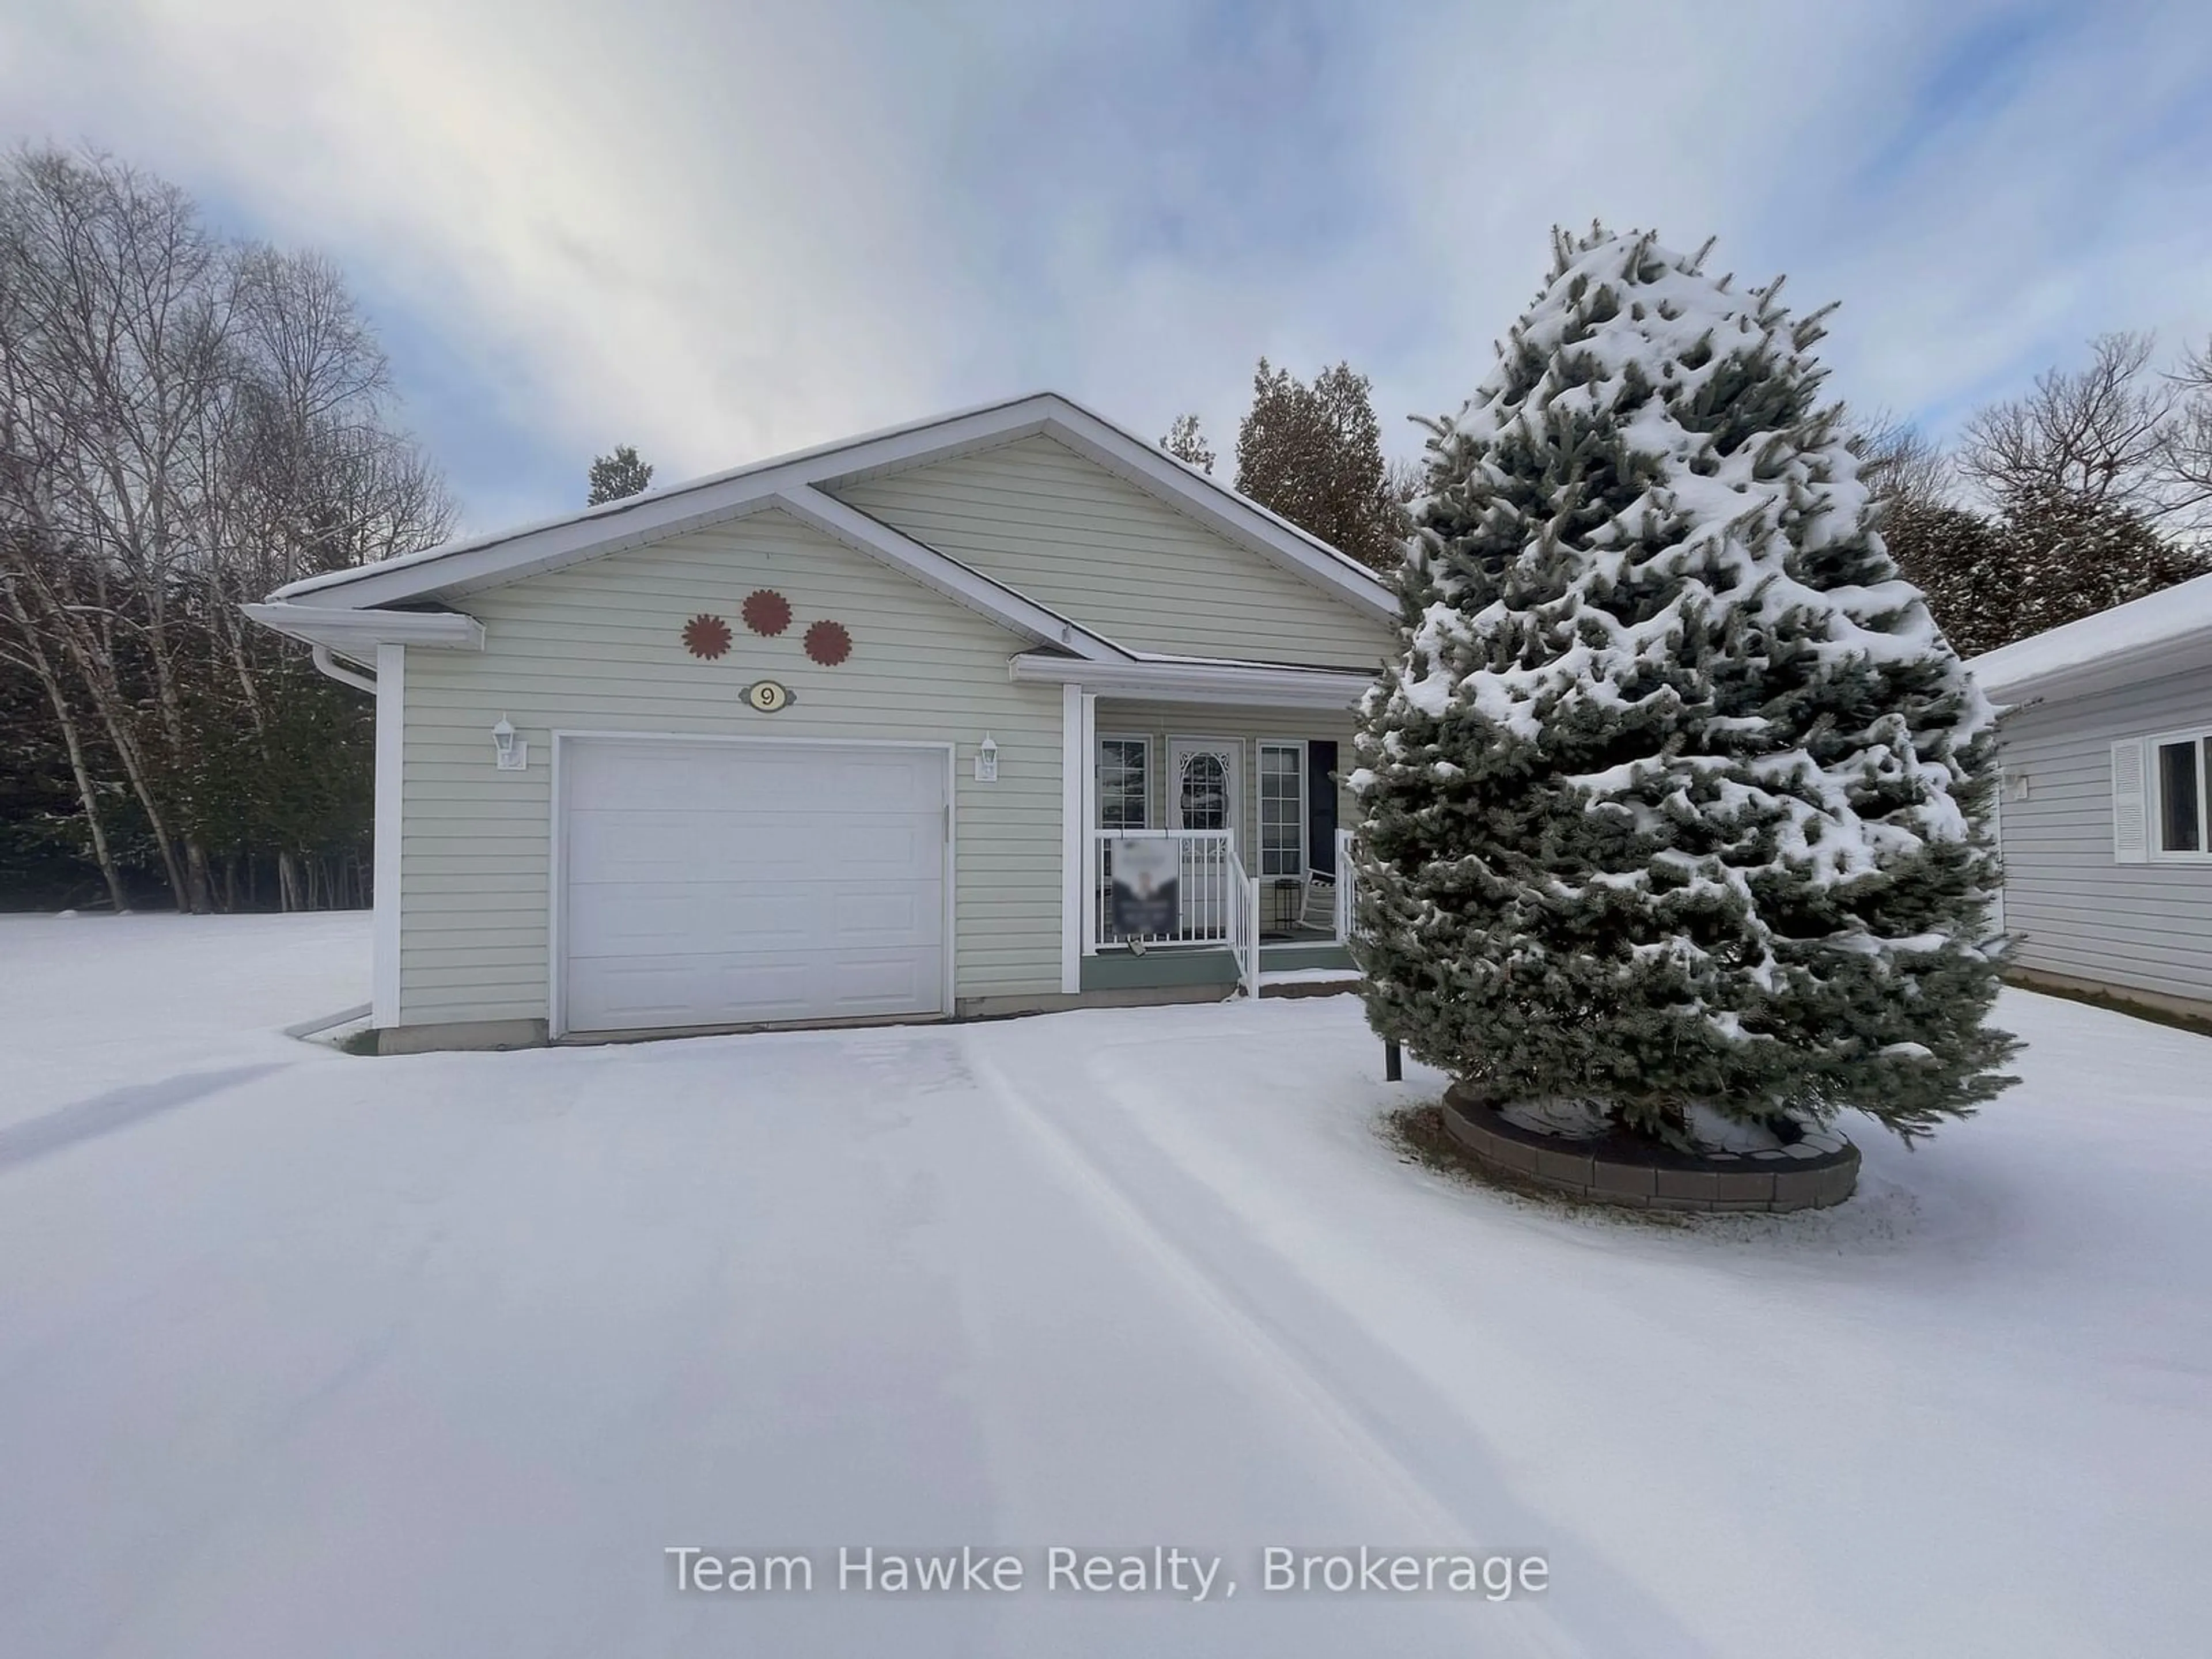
(987, 760)
(511, 755)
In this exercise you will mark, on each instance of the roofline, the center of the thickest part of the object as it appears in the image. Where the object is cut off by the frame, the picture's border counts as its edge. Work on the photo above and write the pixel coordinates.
(2107, 649)
(2106, 673)
(349, 631)
(466, 565)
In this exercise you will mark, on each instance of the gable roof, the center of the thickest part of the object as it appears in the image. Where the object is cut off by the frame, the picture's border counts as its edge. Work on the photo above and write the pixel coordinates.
(2163, 632)
(799, 483)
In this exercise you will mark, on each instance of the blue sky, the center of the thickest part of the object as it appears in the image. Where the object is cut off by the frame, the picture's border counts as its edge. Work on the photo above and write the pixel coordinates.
(719, 232)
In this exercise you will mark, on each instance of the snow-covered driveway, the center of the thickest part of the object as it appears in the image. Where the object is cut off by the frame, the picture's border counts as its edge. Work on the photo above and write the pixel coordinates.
(303, 1354)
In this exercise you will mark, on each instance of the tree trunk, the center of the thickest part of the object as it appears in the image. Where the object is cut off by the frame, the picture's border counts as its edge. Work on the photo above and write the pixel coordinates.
(197, 884)
(72, 740)
(87, 798)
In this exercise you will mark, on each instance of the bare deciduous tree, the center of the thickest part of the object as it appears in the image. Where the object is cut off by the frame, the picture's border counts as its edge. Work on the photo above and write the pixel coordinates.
(2188, 459)
(2098, 435)
(1898, 462)
(189, 423)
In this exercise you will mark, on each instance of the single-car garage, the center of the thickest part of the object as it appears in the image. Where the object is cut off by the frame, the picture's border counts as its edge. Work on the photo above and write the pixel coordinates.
(704, 882)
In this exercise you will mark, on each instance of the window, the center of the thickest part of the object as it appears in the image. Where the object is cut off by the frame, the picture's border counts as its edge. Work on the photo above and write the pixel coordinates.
(1282, 809)
(1124, 783)
(2182, 770)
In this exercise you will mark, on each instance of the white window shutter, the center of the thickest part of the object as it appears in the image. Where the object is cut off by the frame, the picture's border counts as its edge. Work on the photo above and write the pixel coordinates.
(2130, 831)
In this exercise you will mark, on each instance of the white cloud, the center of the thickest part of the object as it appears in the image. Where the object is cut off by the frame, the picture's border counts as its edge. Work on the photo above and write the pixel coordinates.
(726, 231)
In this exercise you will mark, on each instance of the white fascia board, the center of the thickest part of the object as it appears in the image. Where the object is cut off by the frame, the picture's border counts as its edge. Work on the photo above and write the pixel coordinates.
(1198, 681)
(2108, 674)
(944, 575)
(353, 631)
(454, 571)
(2160, 634)
(1221, 510)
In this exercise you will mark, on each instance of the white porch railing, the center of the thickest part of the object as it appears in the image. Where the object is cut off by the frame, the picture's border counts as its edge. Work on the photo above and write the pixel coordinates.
(1210, 885)
(1217, 904)
(1247, 926)
(1347, 880)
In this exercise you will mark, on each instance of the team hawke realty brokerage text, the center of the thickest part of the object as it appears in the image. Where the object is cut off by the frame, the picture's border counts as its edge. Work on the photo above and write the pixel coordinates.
(1159, 1570)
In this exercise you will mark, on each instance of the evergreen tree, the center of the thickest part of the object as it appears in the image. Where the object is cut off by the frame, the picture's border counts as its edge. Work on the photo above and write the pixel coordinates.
(1966, 568)
(1187, 443)
(619, 475)
(1313, 454)
(1673, 798)
(2075, 556)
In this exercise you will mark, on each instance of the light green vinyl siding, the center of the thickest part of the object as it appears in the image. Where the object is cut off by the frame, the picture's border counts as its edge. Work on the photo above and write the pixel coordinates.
(1104, 554)
(597, 647)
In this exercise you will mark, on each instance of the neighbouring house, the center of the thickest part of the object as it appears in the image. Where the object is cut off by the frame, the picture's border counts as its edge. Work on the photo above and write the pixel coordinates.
(853, 734)
(2105, 741)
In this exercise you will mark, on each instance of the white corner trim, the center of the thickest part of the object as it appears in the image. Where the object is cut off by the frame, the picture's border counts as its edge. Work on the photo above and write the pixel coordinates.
(556, 883)
(359, 630)
(1075, 834)
(944, 575)
(950, 923)
(391, 740)
(1198, 682)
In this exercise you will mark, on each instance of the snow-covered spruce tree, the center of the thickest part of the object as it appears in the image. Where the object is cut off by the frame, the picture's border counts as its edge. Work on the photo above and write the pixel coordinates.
(1673, 797)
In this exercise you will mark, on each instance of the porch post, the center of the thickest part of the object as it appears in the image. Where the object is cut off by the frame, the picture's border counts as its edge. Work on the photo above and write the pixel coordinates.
(1089, 822)
(383, 897)
(1075, 837)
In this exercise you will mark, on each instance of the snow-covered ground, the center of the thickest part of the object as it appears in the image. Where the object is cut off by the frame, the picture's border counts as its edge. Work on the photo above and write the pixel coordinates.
(304, 1354)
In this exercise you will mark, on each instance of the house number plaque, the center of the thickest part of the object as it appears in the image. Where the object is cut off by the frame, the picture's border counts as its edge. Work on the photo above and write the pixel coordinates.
(768, 695)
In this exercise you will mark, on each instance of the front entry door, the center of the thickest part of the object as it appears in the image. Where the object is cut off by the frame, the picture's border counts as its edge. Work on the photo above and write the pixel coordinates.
(1205, 776)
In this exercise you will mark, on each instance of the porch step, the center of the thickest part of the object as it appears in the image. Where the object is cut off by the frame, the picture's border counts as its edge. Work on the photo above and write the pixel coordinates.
(1307, 981)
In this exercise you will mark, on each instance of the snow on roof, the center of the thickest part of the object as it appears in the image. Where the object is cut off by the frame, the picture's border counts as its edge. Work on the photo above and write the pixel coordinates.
(2110, 639)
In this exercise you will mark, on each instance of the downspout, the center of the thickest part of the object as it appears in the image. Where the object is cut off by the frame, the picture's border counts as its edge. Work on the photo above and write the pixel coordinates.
(323, 660)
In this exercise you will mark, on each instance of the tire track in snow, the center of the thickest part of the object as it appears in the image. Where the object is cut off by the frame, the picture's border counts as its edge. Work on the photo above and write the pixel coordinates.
(119, 1108)
(1282, 1359)
(1380, 1419)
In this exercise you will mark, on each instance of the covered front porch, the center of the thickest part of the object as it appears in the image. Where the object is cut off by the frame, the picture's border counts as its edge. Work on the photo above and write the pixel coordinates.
(1210, 843)
(1227, 927)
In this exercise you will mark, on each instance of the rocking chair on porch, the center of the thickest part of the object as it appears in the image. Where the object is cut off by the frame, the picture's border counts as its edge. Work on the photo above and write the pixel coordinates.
(1318, 909)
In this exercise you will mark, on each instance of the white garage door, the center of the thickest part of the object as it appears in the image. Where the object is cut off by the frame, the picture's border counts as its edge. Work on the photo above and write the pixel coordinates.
(724, 884)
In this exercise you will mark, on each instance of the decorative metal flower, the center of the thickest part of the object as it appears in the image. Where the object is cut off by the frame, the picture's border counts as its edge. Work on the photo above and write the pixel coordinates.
(767, 612)
(707, 636)
(827, 643)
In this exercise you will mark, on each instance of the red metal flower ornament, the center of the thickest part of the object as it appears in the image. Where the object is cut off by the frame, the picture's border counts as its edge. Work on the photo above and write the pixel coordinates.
(707, 636)
(767, 612)
(827, 643)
